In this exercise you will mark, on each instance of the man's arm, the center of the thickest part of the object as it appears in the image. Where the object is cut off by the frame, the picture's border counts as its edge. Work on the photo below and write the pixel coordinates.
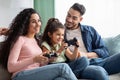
(93, 43)
(89, 54)
(98, 45)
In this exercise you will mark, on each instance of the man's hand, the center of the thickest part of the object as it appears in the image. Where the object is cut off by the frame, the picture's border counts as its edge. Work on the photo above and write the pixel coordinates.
(89, 55)
(3, 31)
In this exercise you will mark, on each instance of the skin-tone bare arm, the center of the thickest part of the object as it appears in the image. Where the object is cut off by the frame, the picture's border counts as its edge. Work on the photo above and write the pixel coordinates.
(90, 55)
(68, 53)
(71, 55)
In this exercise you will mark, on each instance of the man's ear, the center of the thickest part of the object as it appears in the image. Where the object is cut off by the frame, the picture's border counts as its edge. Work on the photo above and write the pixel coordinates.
(81, 18)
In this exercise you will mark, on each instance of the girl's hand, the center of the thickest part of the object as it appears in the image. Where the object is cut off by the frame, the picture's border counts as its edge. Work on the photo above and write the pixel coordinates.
(63, 45)
(77, 44)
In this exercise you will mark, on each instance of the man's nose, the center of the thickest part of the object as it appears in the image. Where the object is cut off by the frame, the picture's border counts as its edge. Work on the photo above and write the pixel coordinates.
(69, 19)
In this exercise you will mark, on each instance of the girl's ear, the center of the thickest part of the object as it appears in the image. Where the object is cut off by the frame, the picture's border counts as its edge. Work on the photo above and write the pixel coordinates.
(49, 34)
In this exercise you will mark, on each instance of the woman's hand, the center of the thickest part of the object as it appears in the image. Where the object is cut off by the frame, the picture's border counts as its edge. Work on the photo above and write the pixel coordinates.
(52, 59)
(41, 59)
(51, 56)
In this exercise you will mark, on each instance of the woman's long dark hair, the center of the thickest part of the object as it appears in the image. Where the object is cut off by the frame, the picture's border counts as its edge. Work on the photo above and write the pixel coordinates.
(18, 27)
(53, 25)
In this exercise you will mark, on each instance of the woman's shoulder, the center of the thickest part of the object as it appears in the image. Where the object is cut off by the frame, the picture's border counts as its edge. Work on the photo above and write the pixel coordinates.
(21, 38)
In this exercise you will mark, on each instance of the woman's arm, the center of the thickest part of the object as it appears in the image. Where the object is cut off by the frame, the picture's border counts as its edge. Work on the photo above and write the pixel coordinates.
(14, 64)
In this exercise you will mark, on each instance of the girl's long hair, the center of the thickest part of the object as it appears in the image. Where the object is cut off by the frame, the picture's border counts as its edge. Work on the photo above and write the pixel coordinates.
(18, 27)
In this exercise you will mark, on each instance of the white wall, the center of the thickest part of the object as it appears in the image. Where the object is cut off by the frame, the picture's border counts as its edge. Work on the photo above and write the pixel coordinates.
(10, 8)
(104, 15)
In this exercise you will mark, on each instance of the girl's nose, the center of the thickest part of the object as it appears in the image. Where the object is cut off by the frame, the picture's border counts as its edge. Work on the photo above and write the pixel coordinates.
(61, 37)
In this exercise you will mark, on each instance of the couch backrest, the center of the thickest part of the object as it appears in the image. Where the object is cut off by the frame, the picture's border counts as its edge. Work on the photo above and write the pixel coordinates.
(113, 44)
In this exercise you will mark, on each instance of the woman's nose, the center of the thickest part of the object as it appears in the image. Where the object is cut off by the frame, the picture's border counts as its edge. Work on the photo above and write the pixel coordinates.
(38, 23)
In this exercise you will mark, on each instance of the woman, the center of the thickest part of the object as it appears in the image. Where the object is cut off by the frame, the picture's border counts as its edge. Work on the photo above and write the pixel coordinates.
(22, 56)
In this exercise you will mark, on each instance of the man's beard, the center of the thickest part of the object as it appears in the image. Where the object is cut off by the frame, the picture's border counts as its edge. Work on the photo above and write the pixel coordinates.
(69, 26)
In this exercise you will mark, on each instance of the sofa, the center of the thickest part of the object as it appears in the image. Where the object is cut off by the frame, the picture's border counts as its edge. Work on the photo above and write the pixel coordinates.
(112, 43)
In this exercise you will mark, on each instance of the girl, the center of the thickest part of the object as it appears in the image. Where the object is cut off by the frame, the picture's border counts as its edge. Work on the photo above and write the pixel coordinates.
(53, 42)
(21, 53)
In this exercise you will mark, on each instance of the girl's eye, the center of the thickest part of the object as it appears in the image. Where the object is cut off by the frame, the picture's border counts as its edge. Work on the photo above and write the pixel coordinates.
(58, 34)
(33, 21)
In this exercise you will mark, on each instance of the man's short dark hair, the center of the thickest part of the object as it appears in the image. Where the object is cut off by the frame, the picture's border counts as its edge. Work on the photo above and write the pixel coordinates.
(79, 7)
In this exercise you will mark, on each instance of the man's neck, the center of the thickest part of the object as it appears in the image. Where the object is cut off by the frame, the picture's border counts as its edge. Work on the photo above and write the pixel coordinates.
(73, 28)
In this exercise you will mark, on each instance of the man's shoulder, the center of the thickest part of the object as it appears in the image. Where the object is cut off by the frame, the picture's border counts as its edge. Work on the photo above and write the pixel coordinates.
(86, 27)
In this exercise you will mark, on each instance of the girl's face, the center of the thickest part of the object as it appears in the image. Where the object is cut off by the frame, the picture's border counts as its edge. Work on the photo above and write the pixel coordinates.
(35, 24)
(57, 36)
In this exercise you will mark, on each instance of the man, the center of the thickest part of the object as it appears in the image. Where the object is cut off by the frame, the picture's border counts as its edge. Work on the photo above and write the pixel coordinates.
(91, 43)
(3, 31)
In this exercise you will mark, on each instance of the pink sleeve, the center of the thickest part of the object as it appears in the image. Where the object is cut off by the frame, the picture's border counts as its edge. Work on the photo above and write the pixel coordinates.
(13, 63)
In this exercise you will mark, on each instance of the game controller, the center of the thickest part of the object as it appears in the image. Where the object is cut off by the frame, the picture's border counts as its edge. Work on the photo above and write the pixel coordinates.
(51, 54)
(72, 42)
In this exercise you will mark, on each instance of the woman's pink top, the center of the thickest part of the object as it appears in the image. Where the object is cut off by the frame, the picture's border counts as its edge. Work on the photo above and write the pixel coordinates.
(22, 53)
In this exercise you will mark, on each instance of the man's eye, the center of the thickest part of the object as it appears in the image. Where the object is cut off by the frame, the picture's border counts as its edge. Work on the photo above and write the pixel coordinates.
(68, 16)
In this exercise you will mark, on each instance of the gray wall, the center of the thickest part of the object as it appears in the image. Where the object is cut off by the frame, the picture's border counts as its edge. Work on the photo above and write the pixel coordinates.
(10, 8)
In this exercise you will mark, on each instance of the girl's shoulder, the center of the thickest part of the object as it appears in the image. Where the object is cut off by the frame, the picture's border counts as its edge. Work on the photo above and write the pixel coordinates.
(46, 45)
